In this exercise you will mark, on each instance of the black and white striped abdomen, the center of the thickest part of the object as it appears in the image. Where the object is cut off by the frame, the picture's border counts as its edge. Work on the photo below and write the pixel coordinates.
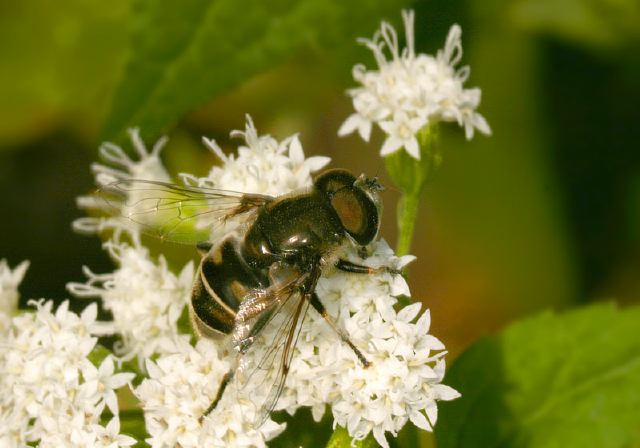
(223, 280)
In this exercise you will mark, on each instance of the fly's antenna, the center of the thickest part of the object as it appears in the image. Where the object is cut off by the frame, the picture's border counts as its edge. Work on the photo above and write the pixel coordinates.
(368, 183)
(385, 186)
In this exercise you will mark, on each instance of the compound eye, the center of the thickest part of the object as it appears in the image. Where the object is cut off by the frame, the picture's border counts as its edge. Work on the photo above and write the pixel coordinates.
(349, 208)
(358, 214)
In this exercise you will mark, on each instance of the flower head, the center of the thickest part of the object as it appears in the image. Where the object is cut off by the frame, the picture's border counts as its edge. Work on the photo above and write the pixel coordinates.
(50, 392)
(179, 389)
(408, 92)
(263, 165)
(145, 298)
(120, 167)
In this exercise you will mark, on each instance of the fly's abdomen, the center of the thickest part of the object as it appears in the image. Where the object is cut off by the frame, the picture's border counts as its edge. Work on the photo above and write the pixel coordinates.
(223, 281)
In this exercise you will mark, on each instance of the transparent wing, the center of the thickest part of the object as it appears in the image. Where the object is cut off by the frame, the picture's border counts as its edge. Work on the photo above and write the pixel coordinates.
(268, 340)
(177, 213)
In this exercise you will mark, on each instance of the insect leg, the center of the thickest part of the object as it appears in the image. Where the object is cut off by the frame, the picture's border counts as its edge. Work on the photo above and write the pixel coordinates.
(226, 379)
(244, 346)
(315, 302)
(347, 266)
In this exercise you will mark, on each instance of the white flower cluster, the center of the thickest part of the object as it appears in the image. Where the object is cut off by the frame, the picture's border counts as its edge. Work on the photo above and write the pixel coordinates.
(121, 167)
(9, 281)
(145, 298)
(403, 381)
(409, 91)
(179, 389)
(50, 393)
(263, 166)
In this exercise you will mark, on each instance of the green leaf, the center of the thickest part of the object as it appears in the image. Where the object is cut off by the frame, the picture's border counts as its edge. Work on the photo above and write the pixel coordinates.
(340, 439)
(301, 429)
(60, 62)
(569, 380)
(98, 354)
(132, 424)
(184, 53)
(599, 24)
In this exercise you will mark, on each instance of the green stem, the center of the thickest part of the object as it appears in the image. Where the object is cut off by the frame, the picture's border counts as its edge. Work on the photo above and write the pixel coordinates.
(411, 177)
(407, 215)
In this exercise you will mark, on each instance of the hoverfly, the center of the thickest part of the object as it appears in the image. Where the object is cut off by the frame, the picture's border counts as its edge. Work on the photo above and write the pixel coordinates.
(265, 271)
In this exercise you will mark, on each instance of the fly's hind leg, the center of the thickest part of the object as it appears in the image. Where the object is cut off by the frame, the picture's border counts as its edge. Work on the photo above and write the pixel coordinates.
(242, 349)
(315, 302)
(226, 379)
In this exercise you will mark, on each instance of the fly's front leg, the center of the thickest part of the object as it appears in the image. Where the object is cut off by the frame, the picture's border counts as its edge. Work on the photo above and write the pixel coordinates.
(347, 266)
(315, 302)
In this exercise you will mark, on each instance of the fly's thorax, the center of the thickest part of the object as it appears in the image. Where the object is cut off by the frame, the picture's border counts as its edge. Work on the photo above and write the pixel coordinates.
(304, 223)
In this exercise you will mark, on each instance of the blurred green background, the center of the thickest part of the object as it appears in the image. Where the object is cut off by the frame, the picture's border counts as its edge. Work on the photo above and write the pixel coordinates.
(545, 213)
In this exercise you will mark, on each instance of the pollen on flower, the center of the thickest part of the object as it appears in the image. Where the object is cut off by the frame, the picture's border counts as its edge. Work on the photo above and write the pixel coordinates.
(409, 91)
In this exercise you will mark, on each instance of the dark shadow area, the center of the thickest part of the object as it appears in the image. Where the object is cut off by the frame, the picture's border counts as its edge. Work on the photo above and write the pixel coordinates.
(39, 184)
(470, 421)
(298, 434)
(591, 105)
